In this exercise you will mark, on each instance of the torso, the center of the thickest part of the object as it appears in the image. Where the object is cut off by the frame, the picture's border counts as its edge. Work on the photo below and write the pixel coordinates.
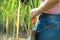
(54, 10)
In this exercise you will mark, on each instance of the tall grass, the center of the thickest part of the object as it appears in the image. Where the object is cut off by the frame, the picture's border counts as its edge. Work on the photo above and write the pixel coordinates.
(17, 22)
(15, 14)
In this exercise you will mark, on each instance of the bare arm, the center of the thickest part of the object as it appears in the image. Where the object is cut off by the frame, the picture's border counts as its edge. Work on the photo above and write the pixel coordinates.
(48, 4)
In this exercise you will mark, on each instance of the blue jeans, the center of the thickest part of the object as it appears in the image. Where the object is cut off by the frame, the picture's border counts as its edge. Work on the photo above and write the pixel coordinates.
(50, 26)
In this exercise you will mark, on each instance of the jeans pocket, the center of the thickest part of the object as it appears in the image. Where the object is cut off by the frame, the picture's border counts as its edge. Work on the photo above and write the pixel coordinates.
(50, 25)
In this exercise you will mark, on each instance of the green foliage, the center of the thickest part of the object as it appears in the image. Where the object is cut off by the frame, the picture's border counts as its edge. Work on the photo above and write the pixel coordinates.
(36, 3)
(9, 10)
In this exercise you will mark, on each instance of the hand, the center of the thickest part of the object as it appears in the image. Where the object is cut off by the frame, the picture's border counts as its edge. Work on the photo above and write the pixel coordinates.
(33, 13)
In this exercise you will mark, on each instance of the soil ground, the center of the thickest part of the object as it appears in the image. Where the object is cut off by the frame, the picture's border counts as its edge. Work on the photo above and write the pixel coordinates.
(22, 36)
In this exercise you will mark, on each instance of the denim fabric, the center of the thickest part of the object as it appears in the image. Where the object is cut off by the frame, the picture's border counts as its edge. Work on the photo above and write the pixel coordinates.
(52, 23)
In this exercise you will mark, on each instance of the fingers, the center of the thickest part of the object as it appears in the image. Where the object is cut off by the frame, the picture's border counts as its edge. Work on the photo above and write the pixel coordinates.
(32, 12)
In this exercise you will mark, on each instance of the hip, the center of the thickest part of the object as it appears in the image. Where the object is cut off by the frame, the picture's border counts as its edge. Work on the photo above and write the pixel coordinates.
(50, 21)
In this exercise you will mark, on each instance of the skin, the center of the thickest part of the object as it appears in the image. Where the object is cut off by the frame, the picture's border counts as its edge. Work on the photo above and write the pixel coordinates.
(59, 1)
(48, 4)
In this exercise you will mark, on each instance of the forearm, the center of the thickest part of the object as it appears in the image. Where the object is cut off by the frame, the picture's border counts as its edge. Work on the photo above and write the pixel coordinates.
(48, 4)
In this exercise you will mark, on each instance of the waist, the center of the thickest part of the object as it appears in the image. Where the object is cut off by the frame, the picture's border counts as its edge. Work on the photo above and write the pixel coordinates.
(54, 10)
(46, 17)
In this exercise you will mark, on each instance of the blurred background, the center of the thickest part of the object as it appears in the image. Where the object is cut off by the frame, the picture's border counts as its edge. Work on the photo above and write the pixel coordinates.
(15, 22)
